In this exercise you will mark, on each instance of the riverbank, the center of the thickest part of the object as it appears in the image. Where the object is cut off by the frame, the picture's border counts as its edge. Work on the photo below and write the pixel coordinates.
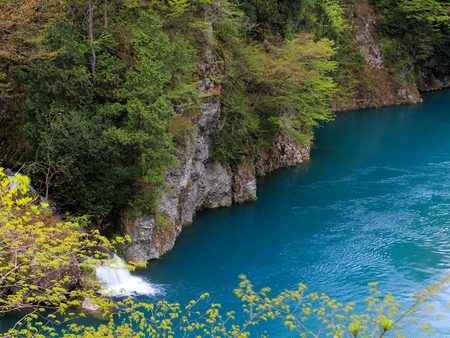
(202, 181)
(371, 205)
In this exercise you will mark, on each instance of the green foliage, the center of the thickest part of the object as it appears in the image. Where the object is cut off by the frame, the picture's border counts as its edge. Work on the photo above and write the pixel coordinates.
(65, 122)
(40, 256)
(421, 25)
(296, 85)
(398, 60)
(302, 313)
(276, 87)
(279, 19)
(348, 74)
(334, 17)
(144, 101)
(243, 132)
(91, 135)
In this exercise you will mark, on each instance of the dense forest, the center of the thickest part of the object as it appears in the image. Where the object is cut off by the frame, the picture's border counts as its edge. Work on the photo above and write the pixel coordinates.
(96, 96)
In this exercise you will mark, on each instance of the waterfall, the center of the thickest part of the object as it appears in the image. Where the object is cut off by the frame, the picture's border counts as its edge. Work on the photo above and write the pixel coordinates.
(118, 281)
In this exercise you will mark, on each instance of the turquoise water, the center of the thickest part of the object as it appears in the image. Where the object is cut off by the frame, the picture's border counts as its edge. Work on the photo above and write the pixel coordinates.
(373, 204)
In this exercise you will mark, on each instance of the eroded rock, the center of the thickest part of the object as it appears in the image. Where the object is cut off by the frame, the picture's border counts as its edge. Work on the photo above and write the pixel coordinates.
(201, 182)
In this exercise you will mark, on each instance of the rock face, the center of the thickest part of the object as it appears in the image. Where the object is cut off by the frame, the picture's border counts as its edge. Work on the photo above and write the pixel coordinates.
(285, 152)
(376, 86)
(89, 305)
(201, 182)
(364, 39)
(244, 183)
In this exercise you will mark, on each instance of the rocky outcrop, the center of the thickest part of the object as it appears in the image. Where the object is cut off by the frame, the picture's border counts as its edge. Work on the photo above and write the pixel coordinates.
(149, 241)
(89, 305)
(200, 182)
(244, 183)
(362, 35)
(375, 85)
(285, 152)
(432, 82)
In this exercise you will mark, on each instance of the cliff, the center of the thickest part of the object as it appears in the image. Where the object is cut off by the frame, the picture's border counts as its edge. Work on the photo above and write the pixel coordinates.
(144, 113)
(201, 182)
(433, 77)
(374, 83)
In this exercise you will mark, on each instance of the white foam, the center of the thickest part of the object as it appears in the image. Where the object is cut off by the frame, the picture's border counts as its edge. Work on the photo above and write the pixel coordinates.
(118, 281)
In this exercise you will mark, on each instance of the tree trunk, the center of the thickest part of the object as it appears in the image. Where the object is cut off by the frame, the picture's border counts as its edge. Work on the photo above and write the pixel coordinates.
(91, 34)
(105, 13)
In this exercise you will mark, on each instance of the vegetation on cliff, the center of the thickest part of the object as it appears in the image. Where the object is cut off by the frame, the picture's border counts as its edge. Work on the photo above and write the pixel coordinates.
(96, 94)
(95, 121)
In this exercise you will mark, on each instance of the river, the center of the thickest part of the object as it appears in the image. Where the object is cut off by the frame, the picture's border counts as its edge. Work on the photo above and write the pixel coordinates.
(373, 204)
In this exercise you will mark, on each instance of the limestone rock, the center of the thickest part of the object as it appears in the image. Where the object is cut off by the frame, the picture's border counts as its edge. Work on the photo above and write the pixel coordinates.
(433, 78)
(384, 89)
(149, 240)
(200, 181)
(363, 37)
(244, 183)
(285, 152)
(87, 304)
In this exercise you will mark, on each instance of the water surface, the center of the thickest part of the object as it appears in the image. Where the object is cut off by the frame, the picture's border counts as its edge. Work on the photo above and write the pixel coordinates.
(373, 204)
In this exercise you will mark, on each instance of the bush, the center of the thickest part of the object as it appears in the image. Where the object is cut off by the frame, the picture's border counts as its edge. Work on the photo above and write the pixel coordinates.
(41, 257)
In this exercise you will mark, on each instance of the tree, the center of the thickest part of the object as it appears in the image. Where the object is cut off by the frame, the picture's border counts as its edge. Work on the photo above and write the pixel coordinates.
(419, 24)
(144, 102)
(41, 258)
(91, 34)
(295, 84)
